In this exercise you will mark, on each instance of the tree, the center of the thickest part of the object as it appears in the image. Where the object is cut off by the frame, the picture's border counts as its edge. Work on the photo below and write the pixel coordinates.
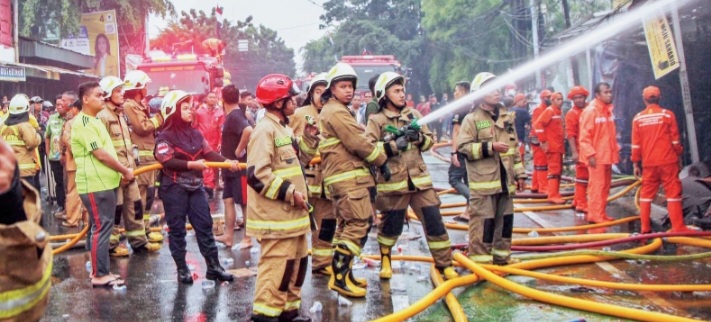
(379, 26)
(267, 53)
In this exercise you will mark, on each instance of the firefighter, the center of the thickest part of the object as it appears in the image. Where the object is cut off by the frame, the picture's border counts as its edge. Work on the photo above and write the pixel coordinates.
(540, 163)
(549, 130)
(345, 156)
(277, 204)
(655, 144)
(324, 213)
(578, 95)
(23, 137)
(599, 150)
(128, 198)
(25, 286)
(488, 140)
(143, 134)
(410, 184)
(183, 151)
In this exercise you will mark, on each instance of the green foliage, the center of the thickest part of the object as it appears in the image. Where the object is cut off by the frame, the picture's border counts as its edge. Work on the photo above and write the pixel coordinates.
(267, 51)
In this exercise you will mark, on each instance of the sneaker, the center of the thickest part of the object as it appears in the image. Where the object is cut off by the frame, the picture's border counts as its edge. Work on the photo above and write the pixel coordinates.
(119, 251)
(154, 237)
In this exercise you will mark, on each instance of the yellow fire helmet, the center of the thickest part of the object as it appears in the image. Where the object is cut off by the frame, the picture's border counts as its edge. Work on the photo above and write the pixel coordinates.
(135, 79)
(169, 104)
(19, 104)
(108, 84)
(480, 79)
(341, 71)
(386, 80)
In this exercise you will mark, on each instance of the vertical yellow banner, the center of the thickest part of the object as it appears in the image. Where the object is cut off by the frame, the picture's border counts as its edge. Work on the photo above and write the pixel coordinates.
(660, 42)
(102, 32)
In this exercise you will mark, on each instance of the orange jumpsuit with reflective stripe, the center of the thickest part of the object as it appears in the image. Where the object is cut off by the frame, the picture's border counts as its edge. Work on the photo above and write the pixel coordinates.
(549, 128)
(540, 163)
(655, 142)
(572, 130)
(598, 138)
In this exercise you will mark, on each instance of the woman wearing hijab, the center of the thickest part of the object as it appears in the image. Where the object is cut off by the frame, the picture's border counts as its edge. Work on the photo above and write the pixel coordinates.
(182, 151)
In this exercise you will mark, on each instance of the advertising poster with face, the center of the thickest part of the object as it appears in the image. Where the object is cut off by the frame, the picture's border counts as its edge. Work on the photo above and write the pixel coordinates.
(98, 37)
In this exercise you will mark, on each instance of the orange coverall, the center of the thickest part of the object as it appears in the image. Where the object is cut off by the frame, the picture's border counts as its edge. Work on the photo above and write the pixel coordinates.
(598, 138)
(549, 128)
(540, 163)
(655, 142)
(572, 130)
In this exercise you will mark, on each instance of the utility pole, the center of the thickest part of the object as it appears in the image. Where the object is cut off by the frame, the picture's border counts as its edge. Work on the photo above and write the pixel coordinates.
(573, 59)
(16, 29)
(534, 29)
(684, 82)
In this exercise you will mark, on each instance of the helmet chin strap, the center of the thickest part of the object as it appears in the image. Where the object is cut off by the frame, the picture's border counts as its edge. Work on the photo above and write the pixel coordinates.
(399, 107)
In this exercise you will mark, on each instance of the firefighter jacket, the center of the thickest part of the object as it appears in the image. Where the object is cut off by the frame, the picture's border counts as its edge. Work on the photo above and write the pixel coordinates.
(598, 136)
(26, 257)
(65, 144)
(549, 128)
(274, 173)
(117, 127)
(24, 139)
(655, 137)
(143, 128)
(490, 172)
(572, 125)
(534, 117)
(175, 163)
(345, 151)
(405, 166)
(298, 122)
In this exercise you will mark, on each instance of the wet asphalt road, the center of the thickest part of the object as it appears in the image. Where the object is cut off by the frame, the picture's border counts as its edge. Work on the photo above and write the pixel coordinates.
(153, 294)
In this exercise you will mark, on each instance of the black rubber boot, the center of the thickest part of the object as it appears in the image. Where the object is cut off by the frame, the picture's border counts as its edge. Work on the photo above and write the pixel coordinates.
(293, 316)
(215, 270)
(340, 281)
(263, 318)
(184, 275)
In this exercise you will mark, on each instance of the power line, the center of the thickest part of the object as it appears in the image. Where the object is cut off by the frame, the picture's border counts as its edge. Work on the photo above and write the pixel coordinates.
(315, 4)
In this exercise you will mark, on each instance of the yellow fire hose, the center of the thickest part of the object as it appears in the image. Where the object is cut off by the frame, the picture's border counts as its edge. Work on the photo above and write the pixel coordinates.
(452, 303)
(566, 301)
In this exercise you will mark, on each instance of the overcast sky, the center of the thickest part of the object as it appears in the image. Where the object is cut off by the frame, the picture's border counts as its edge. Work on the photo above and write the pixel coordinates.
(296, 21)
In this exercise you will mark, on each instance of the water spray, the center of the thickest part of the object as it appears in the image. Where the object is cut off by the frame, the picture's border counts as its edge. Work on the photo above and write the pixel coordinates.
(615, 26)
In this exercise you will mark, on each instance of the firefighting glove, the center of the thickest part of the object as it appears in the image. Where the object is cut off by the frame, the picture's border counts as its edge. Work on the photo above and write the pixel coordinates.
(385, 171)
(412, 135)
(402, 143)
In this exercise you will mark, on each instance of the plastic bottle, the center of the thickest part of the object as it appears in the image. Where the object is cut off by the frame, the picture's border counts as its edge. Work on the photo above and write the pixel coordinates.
(88, 267)
(316, 308)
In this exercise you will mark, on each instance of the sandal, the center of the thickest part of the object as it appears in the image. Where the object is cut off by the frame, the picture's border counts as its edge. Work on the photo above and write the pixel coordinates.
(116, 281)
(461, 218)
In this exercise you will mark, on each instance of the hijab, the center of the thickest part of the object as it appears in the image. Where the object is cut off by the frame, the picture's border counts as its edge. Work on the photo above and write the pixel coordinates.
(181, 134)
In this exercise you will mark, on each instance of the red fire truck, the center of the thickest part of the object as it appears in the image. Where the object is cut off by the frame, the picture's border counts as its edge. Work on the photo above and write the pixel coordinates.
(194, 74)
(367, 66)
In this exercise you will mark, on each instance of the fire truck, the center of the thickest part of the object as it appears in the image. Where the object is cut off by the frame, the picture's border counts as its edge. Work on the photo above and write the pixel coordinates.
(367, 66)
(192, 73)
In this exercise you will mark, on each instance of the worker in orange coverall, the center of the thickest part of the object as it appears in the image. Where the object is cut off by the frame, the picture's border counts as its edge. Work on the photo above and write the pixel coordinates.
(655, 144)
(599, 150)
(578, 95)
(540, 163)
(549, 129)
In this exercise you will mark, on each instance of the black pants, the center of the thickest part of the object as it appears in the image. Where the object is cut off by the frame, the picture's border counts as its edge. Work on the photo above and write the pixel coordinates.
(458, 177)
(180, 203)
(58, 173)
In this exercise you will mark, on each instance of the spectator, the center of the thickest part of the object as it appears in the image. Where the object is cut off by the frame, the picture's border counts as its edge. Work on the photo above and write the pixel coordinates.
(98, 175)
(208, 120)
(423, 107)
(52, 136)
(523, 121)
(437, 125)
(357, 109)
(372, 106)
(409, 102)
(248, 107)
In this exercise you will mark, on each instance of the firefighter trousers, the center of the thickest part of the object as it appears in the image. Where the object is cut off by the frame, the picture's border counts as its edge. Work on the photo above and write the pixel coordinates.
(354, 215)
(129, 208)
(458, 176)
(666, 176)
(425, 204)
(490, 227)
(180, 203)
(540, 170)
(321, 247)
(598, 190)
(280, 275)
(580, 200)
(73, 206)
(146, 188)
(555, 168)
